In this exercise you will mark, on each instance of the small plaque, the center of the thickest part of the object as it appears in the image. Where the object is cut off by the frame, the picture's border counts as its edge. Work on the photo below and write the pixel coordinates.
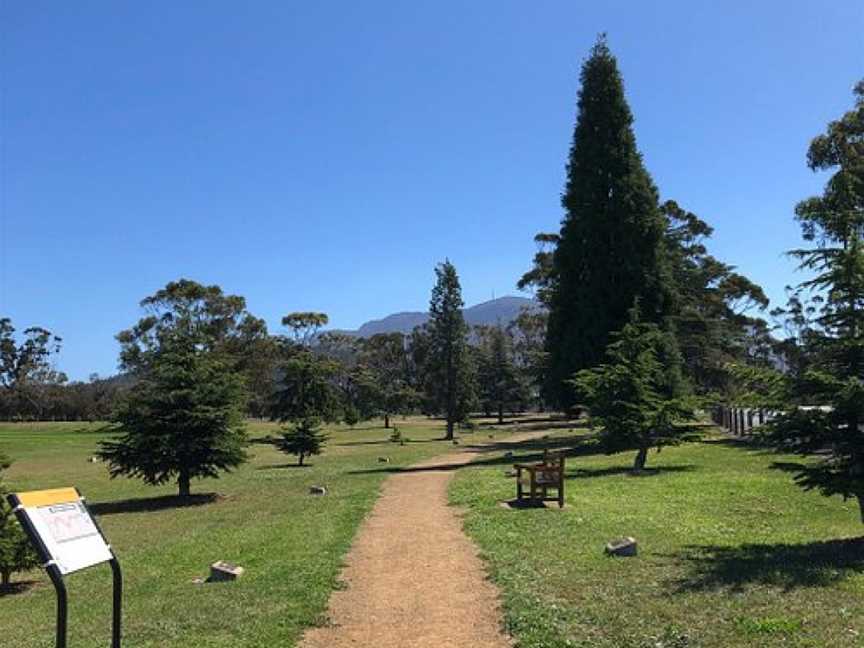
(65, 528)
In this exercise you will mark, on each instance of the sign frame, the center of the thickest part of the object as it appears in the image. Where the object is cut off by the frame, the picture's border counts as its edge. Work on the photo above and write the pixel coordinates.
(22, 504)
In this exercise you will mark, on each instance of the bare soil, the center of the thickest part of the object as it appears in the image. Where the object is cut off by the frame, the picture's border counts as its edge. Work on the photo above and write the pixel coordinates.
(413, 579)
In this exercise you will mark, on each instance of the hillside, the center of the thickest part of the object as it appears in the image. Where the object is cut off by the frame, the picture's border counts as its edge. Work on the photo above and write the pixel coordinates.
(502, 309)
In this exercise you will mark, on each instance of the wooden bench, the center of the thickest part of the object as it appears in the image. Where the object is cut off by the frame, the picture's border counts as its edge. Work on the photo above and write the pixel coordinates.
(533, 481)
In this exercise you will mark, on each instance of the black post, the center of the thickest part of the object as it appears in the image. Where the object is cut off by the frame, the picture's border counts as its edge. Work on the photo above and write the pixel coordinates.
(117, 615)
(52, 569)
(62, 606)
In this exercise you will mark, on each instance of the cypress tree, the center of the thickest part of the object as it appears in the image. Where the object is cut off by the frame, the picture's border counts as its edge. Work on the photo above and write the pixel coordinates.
(450, 376)
(610, 251)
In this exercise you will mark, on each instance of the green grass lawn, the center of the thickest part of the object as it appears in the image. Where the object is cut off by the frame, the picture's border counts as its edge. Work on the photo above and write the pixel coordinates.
(731, 552)
(290, 543)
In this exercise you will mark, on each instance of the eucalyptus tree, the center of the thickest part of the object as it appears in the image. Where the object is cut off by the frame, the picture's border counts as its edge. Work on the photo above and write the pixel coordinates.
(386, 357)
(183, 417)
(833, 223)
(26, 368)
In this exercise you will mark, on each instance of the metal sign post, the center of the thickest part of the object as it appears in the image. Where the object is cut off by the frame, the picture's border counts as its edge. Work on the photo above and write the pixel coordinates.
(67, 539)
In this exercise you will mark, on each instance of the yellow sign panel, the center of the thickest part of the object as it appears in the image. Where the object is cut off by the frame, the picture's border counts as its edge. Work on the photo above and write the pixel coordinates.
(48, 497)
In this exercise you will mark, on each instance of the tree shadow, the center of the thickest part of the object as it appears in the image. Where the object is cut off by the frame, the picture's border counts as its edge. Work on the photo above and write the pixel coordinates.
(529, 451)
(265, 440)
(789, 566)
(17, 588)
(284, 466)
(589, 473)
(534, 423)
(788, 466)
(753, 443)
(151, 504)
(387, 442)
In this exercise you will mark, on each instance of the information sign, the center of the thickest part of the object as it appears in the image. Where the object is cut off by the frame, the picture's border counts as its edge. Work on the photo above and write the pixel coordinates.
(66, 529)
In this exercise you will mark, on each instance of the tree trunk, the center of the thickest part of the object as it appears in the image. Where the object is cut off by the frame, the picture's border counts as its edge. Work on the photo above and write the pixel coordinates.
(641, 458)
(5, 578)
(302, 457)
(449, 436)
(861, 506)
(386, 421)
(183, 483)
(500, 413)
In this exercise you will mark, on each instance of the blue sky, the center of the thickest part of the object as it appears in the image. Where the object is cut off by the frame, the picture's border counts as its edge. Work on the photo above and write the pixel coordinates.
(326, 155)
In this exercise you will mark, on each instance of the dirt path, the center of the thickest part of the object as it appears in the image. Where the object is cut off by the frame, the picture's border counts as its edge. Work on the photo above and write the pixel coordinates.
(413, 578)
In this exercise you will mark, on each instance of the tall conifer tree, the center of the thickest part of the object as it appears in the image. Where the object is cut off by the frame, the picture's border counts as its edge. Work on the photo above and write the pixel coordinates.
(451, 376)
(610, 250)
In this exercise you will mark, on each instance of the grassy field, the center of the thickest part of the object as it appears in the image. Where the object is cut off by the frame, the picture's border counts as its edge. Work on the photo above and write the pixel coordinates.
(290, 543)
(732, 553)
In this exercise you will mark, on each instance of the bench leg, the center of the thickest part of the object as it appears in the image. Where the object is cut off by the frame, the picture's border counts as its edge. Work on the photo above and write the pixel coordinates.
(518, 485)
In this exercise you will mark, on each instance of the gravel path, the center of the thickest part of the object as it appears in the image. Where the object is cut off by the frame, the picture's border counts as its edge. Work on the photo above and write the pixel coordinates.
(413, 578)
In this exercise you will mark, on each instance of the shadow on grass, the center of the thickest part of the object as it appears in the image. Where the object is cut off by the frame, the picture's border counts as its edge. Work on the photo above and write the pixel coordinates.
(284, 466)
(16, 588)
(531, 450)
(788, 466)
(589, 473)
(534, 423)
(754, 442)
(788, 566)
(387, 442)
(151, 504)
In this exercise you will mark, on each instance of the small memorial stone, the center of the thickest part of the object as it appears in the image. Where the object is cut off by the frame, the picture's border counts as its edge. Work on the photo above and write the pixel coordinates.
(383, 459)
(622, 547)
(224, 571)
(317, 490)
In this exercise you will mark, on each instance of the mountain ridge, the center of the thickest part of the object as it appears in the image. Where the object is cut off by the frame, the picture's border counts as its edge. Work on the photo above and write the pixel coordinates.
(503, 309)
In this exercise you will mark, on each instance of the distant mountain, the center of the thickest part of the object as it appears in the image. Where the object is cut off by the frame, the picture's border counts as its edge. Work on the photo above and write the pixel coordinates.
(503, 309)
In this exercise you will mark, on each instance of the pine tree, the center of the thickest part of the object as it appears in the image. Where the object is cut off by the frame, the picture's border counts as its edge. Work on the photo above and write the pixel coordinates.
(303, 439)
(183, 419)
(834, 222)
(16, 553)
(610, 248)
(632, 396)
(449, 371)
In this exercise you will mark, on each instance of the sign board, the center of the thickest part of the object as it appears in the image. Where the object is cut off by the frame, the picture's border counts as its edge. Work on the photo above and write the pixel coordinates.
(65, 528)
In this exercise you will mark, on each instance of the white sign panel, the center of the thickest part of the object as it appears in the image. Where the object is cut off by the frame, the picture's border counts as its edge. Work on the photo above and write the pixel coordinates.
(66, 529)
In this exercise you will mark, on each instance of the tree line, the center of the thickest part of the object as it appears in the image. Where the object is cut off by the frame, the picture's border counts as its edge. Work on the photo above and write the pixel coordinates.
(337, 376)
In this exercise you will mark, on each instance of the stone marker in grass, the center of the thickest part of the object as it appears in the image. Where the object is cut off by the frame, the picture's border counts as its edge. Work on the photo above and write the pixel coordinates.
(622, 547)
(317, 490)
(223, 571)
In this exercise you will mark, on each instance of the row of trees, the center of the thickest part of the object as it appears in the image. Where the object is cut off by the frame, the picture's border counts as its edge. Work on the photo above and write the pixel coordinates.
(197, 357)
(286, 376)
